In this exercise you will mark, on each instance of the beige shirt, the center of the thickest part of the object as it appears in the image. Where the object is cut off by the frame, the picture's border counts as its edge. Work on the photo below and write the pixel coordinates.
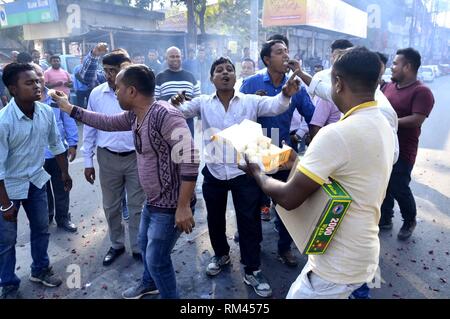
(358, 152)
(321, 86)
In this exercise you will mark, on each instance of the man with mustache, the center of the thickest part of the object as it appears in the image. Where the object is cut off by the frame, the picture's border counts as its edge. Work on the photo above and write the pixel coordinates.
(275, 55)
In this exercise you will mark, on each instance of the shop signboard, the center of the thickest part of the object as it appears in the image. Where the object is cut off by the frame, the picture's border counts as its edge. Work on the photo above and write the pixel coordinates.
(336, 16)
(22, 12)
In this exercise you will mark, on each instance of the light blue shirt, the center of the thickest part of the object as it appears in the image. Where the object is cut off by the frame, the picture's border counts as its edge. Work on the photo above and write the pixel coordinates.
(77, 85)
(67, 127)
(103, 100)
(22, 146)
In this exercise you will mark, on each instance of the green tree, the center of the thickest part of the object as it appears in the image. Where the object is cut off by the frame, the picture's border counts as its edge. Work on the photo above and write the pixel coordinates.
(196, 10)
(147, 4)
(230, 17)
(15, 34)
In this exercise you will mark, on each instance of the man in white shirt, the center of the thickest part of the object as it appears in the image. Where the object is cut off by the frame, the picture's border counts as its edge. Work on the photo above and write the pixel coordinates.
(358, 152)
(117, 163)
(320, 85)
(248, 68)
(221, 174)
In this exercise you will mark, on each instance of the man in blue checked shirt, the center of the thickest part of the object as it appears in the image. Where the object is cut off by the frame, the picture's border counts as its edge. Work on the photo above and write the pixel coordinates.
(90, 71)
(274, 54)
(27, 127)
(58, 199)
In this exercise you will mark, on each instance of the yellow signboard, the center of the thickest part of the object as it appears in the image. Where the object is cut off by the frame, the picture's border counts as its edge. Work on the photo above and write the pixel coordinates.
(333, 15)
(284, 12)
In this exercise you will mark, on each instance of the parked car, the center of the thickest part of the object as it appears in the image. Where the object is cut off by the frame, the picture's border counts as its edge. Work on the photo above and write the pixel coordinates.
(437, 72)
(444, 68)
(426, 74)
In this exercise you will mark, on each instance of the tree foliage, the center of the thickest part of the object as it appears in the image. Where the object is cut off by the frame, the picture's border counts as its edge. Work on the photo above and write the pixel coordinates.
(148, 4)
(231, 17)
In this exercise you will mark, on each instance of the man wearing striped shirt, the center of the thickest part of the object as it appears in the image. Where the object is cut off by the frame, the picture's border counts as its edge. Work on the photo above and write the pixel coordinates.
(174, 80)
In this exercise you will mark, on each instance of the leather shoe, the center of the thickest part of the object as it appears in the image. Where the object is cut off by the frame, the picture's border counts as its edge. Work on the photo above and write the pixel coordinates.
(288, 258)
(111, 255)
(68, 226)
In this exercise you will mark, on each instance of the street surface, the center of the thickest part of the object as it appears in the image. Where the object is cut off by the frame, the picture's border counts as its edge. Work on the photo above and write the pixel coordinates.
(417, 268)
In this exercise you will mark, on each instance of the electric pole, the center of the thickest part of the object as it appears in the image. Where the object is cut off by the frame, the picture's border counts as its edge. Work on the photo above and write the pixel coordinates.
(254, 29)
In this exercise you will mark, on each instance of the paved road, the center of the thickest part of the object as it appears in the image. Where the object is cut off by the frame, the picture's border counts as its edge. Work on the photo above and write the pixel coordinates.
(417, 268)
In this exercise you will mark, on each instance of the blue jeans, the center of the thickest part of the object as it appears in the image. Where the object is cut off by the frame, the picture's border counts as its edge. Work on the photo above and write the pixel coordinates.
(35, 206)
(362, 292)
(157, 237)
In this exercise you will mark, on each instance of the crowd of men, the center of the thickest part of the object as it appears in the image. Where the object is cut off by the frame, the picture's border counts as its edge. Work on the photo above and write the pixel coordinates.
(138, 123)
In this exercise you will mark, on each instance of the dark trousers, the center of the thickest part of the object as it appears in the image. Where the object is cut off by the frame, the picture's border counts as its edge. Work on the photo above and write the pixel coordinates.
(285, 239)
(58, 199)
(190, 123)
(82, 98)
(35, 206)
(245, 194)
(399, 190)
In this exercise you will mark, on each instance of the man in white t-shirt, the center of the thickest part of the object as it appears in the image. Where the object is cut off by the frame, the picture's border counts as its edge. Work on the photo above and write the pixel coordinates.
(358, 152)
(320, 85)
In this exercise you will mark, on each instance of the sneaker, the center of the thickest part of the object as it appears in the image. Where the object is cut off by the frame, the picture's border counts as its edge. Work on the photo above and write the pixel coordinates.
(265, 213)
(216, 265)
(385, 224)
(139, 291)
(259, 283)
(288, 258)
(47, 278)
(10, 292)
(406, 230)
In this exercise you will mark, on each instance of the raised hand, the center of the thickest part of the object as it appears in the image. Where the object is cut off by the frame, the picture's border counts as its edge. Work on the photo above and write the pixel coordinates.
(179, 99)
(292, 85)
(294, 65)
(62, 100)
(100, 49)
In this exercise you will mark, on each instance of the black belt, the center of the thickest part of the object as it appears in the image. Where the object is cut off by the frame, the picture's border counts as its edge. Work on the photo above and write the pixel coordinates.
(123, 154)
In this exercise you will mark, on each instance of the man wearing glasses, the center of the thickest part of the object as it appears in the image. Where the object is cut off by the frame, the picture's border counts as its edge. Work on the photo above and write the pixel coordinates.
(115, 154)
(168, 167)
